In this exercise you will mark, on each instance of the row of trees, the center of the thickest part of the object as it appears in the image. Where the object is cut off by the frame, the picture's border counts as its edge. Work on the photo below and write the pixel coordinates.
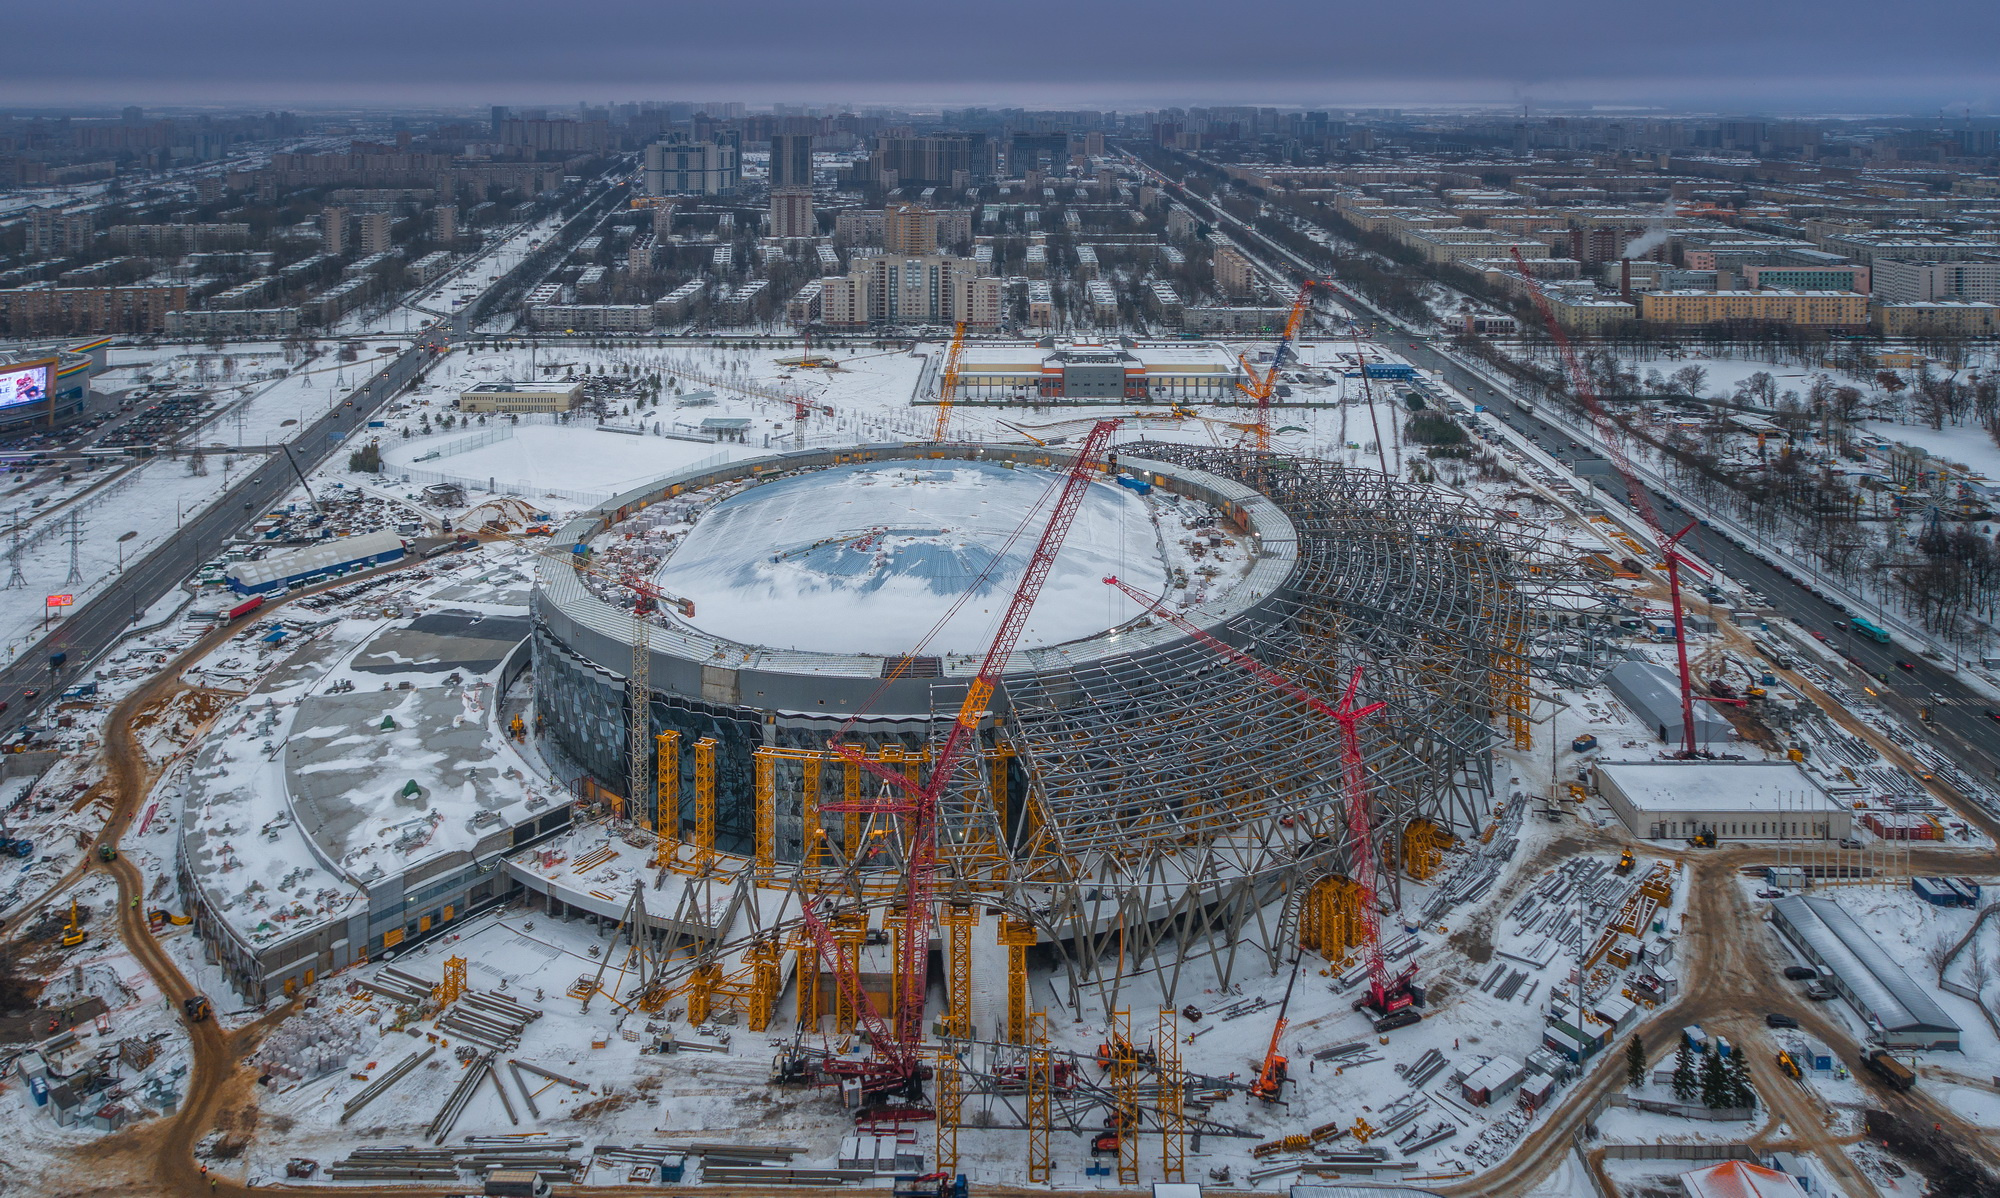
(1719, 1082)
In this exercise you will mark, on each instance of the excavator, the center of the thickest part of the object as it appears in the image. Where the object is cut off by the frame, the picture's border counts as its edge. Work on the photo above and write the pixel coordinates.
(72, 933)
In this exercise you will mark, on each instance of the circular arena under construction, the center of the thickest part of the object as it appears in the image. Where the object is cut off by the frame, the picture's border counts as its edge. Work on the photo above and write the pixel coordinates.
(1131, 796)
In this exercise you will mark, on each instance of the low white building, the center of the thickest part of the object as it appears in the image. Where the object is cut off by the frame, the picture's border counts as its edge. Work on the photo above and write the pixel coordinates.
(1732, 800)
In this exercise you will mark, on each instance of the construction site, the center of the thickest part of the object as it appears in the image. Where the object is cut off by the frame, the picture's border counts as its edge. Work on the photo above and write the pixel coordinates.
(970, 790)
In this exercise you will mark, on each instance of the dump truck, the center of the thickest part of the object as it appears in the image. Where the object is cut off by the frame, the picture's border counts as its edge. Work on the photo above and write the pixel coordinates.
(1894, 1074)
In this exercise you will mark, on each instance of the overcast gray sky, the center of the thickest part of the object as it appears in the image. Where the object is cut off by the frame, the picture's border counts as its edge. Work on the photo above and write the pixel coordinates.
(1830, 55)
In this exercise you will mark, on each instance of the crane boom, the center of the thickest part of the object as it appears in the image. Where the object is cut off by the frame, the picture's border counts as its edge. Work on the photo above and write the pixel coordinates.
(920, 804)
(1260, 388)
(948, 385)
(1614, 445)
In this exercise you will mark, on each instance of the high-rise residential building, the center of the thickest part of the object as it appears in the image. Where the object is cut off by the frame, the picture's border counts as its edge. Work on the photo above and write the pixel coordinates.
(663, 221)
(372, 232)
(932, 160)
(792, 213)
(909, 229)
(679, 166)
(1233, 272)
(897, 289)
(51, 232)
(1907, 281)
(333, 230)
(444, 222)
(791, 160)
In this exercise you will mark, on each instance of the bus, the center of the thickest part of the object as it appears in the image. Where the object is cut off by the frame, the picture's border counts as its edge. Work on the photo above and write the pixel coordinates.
(1869, 630)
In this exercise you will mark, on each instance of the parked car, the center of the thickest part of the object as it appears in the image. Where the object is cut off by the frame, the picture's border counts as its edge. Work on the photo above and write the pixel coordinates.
(1774, 1019)
(1801, 973)
(1818, 992)
(1767, 892)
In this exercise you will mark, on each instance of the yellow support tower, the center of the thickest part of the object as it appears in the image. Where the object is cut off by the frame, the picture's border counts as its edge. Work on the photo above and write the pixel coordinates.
(950, 1089)
(850, 932)
(806, 963)
(767, 813)
(810, 832)
(452, 987)
(764, 977)
(1330, 917)
(850, 820)
(1040, 1098)
(701, 991)
(1424, 845)
(667, 824)
(1018, 935)
(1173, 1092)
(704, 802)
(958, 924)
(1124, 1072)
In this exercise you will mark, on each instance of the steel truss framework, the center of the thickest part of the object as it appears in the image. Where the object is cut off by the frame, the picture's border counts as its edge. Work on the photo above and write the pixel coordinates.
(1143, 811)
(1173, 800)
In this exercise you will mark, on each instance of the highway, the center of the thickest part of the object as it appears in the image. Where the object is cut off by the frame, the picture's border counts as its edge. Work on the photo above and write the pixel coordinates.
(1964, 724)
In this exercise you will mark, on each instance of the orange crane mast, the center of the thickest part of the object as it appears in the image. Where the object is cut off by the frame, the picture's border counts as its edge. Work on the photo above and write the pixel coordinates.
(1261, 387)
(948, 385)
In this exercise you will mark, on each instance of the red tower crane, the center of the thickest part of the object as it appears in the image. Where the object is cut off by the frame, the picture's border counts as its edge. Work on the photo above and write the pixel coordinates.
(1386, 994)
(897, 1064)
(1614, 445)
(1261, 387)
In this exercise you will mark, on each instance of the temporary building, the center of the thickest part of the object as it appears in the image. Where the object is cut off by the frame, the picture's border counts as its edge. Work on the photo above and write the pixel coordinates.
(1902, 1013)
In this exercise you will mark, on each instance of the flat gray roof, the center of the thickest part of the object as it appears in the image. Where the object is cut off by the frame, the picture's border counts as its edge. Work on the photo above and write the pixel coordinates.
(1884, 991)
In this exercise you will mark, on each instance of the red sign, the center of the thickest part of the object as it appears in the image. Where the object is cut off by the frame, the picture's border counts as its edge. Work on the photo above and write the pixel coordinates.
(62, 600)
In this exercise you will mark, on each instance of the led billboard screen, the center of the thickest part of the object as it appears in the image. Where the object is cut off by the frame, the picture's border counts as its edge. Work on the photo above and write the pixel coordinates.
(24, 383)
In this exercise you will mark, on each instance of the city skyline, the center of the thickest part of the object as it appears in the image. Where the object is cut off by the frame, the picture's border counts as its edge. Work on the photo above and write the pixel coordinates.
(1710, 56)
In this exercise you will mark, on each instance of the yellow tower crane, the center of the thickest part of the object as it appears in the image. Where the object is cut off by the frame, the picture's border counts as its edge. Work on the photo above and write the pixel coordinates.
(948, 385)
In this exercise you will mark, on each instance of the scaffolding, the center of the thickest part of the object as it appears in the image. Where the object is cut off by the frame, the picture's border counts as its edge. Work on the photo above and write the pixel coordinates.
(1173, 1097)
(1017, 936)
(950, 1087)
(667, 796)
(451, 987)
(1040, 1085)
(1123, 1067)
(704, 803)
(959, 921)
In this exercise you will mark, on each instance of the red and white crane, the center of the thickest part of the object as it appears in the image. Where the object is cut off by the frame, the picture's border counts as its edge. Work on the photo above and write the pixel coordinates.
(897, 1065)
(1609, 433)
(1386, 994)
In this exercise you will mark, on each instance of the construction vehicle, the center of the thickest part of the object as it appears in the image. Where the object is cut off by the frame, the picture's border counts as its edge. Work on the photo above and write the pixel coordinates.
(1669, 544)
(160, 916)
(301, 1167)
(1625, 863)
(931, 1185)
(1387, 995)
(15, 846)
(948, 383)
(1275, 1071)
(891, 1080)
(1260, 388)
(107, 851)
(1788, 1066)
(196, 1009)
(1892, 1072)
(1703, 839)
(72, 933)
